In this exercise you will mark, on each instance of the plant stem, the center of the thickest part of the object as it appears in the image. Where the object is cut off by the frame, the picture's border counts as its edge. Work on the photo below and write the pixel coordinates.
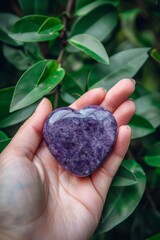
(63, 37)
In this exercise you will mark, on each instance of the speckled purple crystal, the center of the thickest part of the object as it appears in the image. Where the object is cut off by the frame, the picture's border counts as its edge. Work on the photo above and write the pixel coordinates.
(80, 140)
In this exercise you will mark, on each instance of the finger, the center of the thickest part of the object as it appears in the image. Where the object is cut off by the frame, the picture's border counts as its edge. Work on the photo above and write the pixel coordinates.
(124, 112)
(118, 94)
(29, 135)
(92, 97)
(103, 177)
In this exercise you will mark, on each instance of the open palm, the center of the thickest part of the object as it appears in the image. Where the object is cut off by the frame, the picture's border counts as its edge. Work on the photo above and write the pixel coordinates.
(38, 198)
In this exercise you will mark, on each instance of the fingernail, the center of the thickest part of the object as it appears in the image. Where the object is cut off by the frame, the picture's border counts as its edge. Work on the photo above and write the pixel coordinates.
(40, 104)
(103, 89)
(134, 82)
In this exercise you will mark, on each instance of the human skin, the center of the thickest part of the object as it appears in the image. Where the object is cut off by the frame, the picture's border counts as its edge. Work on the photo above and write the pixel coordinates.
(38, 198)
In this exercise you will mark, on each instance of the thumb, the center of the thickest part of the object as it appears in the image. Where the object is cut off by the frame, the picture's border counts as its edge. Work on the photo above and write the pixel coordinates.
(29, 136)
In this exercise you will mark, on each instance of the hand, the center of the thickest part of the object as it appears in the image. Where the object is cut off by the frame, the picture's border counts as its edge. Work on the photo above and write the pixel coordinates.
(39, 199)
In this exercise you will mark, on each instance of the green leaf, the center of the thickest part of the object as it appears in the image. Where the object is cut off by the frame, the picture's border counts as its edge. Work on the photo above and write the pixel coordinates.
(37, 81)
(70, 90)
(91, 46)
(124, 177)
(149, 107)
(3, 136)
(34, 6)
(130, 28)
(7, 21)
(122, 201)
(155, 54)
(84, 7)
(4, 144)
(70, 85)
(22, 59)
(9, 119)
(124, 64)
(93, 22)
(36, 28)
(17, 116)
(155, 237)
(140, 127)
(153, 155)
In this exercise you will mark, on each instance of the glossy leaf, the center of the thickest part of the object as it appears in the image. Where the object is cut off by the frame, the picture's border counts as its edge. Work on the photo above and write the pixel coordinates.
(152, 157)
(122, 201)
(37, 81)
(9, 119)
(22, 59)
(140, 127)
(91, 46)
(149, 107)
(93, 22)
(124, 64)
(4, 144)
(84, 7)
(34, 6)
(36, 28)
(17, 116)
(7, 21)
(3, 136)
(124, 177)
(155, 237)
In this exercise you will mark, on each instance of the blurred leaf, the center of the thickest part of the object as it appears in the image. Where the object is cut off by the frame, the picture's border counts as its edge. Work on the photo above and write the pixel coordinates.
(68, 98)
(81, 76)
(129, 24)
(122, 201)
(37, 81)
(7, 21)
(155, 237)
(152, 158)
(36, 28)
(124, 177)
(93, 22)
(83, 7)
(140, 127)
(155, 178)
(5, 100)
(70, 85)
(34, 6)
(3, 136)
(149, 107)
(4, 144)
(124, 64)
(91, 46)
(22, 59)
(70, 90)
(155, 54)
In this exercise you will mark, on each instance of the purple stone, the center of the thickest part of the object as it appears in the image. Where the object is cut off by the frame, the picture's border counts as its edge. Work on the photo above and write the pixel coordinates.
(80, 140)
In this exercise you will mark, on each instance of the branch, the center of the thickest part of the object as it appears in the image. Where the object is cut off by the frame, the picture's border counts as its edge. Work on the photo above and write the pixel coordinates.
(66, 18)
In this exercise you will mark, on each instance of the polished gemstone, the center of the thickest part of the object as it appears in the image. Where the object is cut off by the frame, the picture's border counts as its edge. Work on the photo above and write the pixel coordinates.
(80, 140)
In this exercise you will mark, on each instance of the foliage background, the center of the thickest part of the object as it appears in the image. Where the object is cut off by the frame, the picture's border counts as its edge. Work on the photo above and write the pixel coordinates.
(43, 56)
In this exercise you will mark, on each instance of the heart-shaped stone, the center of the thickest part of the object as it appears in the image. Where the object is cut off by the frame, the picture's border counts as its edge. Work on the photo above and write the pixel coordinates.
(80, 140)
